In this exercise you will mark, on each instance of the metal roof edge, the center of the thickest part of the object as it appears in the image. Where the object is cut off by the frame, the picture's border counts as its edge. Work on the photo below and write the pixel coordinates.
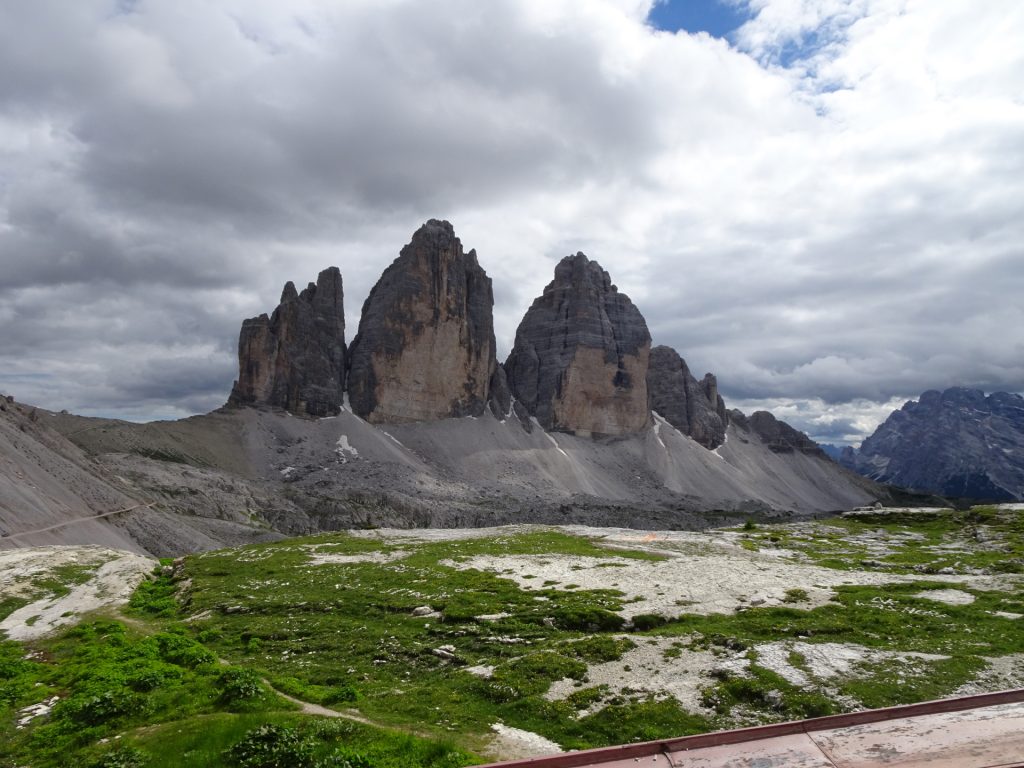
(740, 735)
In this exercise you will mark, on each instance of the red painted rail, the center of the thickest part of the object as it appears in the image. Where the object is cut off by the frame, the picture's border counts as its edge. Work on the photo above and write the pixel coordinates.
(673, 746)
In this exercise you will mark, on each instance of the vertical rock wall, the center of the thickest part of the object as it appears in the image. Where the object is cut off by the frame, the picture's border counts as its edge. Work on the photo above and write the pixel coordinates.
(693, 407)
(295, 358)
(425, 347)
(580, 358)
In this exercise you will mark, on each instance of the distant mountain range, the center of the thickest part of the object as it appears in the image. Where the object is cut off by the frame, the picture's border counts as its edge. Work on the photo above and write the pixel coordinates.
(956, 443)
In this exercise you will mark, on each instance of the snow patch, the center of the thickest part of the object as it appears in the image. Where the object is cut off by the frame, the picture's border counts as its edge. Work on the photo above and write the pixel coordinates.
(392, 438)
(658, 421)
(344, 447)
(549, 436)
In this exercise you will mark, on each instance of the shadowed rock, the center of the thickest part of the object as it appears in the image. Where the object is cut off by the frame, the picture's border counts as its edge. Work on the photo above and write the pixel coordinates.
(579, 363)
(425, 347)
(693, 407)
(295, 358)
(956, 443)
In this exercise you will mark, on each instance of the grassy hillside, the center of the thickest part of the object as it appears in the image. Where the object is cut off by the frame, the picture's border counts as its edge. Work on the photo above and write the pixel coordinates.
(409, 648)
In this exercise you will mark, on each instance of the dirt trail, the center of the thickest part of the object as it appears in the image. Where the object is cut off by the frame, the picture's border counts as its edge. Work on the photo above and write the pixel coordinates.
(309, 708)
(54, 527)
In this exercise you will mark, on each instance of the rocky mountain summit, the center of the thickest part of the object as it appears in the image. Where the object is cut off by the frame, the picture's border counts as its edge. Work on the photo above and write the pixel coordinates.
(693, 407)
(295, 358)
(425, 347)
(580, 358)
(955, 443)
(583, 424)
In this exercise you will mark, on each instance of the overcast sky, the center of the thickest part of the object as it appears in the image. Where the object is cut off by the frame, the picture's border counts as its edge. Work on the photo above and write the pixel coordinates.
(820, 201)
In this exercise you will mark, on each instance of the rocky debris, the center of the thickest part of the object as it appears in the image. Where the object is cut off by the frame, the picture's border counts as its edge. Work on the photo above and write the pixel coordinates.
(445, 652)
(295, 358)
(425, 347)
(693, 407)
(954, 443)
(777, 435)
(580, 358)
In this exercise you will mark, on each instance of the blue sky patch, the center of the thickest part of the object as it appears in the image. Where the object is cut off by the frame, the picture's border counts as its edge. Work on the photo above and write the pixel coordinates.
(716, 17)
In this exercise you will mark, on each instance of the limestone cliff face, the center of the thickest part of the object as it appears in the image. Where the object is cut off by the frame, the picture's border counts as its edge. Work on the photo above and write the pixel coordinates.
(693, 407)
(425, 347)
(580, 358)
(295, 358)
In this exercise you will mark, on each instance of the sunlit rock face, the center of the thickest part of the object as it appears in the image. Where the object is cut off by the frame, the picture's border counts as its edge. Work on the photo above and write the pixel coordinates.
(580, 358)
(425, 347)
(295, 358)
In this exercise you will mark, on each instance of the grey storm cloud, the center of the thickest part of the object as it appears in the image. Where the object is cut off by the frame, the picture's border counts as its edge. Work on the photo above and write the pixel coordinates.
(829, 233)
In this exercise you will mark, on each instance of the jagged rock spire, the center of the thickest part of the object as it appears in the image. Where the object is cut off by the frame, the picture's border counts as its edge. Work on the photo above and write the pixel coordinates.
(579, 363)
(693, 407)
(295, 358)
(425, 347)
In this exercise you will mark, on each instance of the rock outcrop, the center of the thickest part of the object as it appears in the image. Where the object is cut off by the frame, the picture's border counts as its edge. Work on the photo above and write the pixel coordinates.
(295, 358)
(580, 358)
(693, 407)
(425, 347)
(777, 435)
(954, 443)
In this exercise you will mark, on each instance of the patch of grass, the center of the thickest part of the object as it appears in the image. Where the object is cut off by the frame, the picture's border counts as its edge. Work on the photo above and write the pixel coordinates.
(766, 692)
(107, 679)
(344, 629)
(598, 649)
(9, 604)
(343, 634)
(888, 616)
(620, 722)
(894, 682)
(57, 581)
(155, 597)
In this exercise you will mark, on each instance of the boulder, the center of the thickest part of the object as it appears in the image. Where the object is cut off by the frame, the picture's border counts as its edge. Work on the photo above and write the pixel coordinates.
(693, 407)
(580, 358)
(425, 347)
(295, 358)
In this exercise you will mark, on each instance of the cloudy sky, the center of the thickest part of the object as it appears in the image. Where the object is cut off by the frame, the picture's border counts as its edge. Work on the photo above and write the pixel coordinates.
(821, 201)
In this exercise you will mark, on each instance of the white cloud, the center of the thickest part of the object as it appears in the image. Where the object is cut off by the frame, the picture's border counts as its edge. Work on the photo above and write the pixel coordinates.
(827, 214)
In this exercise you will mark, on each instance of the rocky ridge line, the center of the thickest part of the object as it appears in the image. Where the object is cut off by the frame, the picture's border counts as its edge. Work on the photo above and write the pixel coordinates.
(955, 443)
(295, 358)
